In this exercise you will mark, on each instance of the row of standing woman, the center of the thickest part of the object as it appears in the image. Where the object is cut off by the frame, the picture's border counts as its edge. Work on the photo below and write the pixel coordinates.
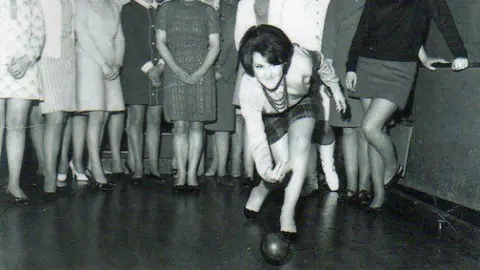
(69, 59)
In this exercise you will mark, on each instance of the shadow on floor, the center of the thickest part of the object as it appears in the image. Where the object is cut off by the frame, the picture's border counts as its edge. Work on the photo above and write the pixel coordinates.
(147, 227)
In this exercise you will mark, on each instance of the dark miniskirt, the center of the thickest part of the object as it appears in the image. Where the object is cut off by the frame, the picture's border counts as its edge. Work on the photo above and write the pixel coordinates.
(276, 125)
(390, 80)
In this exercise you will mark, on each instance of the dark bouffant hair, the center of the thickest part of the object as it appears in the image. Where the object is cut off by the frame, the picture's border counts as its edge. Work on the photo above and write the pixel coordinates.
(270, 42)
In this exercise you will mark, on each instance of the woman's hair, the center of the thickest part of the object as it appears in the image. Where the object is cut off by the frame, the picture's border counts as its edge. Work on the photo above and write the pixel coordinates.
(270, 42)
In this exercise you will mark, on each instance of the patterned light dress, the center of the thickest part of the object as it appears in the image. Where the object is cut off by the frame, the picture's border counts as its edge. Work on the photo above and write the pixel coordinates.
(23, 33)
(188, 26)
(58, 74)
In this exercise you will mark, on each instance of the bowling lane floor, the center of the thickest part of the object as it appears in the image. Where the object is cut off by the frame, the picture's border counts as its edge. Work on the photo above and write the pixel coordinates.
(147, 227)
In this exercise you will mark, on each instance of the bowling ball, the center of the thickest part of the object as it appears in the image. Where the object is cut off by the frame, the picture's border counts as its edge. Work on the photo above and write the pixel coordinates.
(275, 248)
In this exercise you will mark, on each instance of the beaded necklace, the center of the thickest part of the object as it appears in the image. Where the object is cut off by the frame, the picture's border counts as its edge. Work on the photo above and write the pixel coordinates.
(281, 103)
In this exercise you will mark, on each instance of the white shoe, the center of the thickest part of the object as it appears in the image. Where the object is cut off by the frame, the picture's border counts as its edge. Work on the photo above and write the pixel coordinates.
(61, 180)
(76, 175)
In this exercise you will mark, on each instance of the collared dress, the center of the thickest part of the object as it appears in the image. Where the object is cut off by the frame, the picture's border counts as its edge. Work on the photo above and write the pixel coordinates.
(23, 33)
(99, 40)
(226, 65)
(138, 24)
(58, 74)
(187, 26)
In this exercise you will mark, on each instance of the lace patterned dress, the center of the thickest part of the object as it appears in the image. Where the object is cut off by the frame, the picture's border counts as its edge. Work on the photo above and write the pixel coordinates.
(23, 33)
(187, 26)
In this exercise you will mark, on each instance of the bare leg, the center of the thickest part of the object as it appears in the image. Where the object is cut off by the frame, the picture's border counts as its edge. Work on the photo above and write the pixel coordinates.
(66, 138)
(222, 139)
(247, 156)
(181, 150)
(212, 169)
(135, 135)
(130, 160)
(201, 163)
(237, 146)
(363, 161)
(36, 132)
(381, 151)
(154, 122)
(2, 122)
(17, 113)
(311, 183)
(51, 144)
(79, 134)
(95, 123)
(106, 119)
(258, 194)
(299, 142)
(115, 132)
(350, 150)
(196, 142)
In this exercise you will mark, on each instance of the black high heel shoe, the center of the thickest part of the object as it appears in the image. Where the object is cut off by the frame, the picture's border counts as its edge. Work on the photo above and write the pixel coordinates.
(49, 196)
(364, 197)
(136, 181)
(290, 236)
(395, 178)
(179, 189)
(17, 200)
(101, 186)
(193, 189)
(114, 177)
(247, 182)
(158, 179)
(375, 210)
(250, 214)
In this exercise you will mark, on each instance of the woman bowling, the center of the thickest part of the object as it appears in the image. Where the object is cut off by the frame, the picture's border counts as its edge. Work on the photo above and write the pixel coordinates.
(279, 109)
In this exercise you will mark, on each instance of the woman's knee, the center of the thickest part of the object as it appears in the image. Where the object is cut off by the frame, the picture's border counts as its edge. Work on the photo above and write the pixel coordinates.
(196, 127)
(55, 118)
(154, 115)
(180, 127)
(369, 130)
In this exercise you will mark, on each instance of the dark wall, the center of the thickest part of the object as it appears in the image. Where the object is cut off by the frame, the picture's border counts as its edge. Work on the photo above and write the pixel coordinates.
(465, 13)
(444, 158)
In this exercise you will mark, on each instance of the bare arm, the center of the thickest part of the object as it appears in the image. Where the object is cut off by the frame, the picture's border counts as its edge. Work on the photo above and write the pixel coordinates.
(167, 56)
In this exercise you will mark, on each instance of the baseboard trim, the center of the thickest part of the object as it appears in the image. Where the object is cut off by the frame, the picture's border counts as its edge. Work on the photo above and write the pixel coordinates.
(440, 218)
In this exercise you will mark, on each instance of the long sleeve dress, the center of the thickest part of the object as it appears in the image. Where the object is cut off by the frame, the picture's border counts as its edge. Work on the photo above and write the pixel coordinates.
(138, 20)
(187, 26)
(23, 34)
(100, 41)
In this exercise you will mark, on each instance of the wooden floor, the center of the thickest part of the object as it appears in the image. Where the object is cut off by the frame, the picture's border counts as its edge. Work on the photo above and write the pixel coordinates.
(147, 227)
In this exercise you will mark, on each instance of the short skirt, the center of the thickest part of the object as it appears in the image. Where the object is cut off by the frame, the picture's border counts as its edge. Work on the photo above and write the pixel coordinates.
(390, 80)
(276, 125)
(352, 118)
